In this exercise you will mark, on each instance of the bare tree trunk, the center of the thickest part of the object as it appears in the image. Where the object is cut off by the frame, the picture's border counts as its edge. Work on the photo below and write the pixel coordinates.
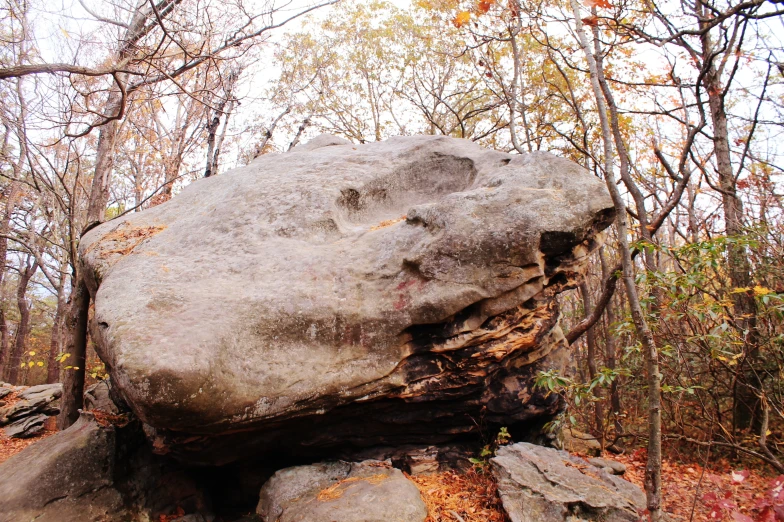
(55, 345)
(73, 383)
(653, 467)
(609, 351)
(12, 191)
(221, 137)
(26, 272)
(300, 130)
(590, 340)
(213, 149)
(746, 409)
(268, 134)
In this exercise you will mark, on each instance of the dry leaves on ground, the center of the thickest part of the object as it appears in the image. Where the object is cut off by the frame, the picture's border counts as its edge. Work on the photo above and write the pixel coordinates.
(688, 487)
(460, 497)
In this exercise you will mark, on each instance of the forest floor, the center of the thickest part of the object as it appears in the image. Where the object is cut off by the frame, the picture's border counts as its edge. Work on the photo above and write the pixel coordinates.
(719, 491)
(691, 492)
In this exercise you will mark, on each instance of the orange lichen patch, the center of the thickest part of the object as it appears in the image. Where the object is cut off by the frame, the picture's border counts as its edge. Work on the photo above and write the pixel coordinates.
(387, 223)
(337, 489)
(127, 239)
(471, 496)
(10, 447)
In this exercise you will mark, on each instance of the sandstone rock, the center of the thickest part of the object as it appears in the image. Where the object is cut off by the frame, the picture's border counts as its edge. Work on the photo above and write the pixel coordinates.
(42, 390)
(615, 467)
(63, 478)
(98, 397)
(538, 484)
(407, 284)
(93, 471)
(4, 392)
(39, 403)
(26, 426)
(366, 492)
(579, 442)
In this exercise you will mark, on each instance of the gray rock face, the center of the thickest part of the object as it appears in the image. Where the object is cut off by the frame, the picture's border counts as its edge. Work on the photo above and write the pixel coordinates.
(611, 466)
(26, 426)
(63, 478)
(94, 472)
(98, 397)
(36, 401)
(42, 390)
(579, 442)
(539, 484)
(408, 283)
(369, 491)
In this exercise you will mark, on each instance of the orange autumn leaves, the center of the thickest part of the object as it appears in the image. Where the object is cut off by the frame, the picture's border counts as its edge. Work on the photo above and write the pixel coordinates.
(598, 3)
(483, 7)
(480, 7)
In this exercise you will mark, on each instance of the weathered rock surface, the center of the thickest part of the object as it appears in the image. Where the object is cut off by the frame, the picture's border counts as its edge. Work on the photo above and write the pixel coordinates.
(99, 397)
(369, 491)
(579, 442)
(408, 284)
(42, 390)
(93, 471)
(25, 427)
(35, 401)
(63, 478)
(610, 466)
(539, 484)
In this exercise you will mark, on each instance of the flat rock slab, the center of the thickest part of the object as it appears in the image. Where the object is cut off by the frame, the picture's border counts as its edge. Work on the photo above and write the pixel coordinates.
(26, 426)
(54, 390)
(38, 404)
(369, 491)
(383, 277)
(538, 484)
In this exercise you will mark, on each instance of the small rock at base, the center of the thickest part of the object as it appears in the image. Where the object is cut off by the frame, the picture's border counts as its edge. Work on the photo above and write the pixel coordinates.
(579, 442)
(615, 468)
(546, 485)
(369, 491)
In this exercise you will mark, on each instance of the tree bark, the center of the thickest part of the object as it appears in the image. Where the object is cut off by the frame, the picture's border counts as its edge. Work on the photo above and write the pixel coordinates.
(609, 351)
(73, 383)
(55, 345)
(590, 341)
(26, 272)
(746, 408)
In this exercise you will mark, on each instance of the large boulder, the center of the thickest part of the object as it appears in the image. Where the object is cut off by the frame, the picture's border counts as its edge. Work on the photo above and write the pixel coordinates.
(409, 284)
(538, 484)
